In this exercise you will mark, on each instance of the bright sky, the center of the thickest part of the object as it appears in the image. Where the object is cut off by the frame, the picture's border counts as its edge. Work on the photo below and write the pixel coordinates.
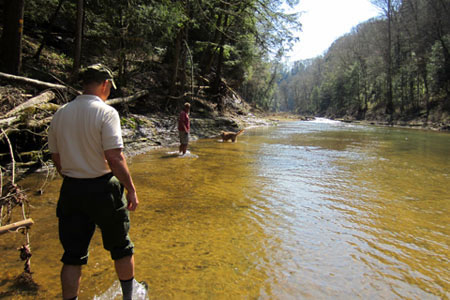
(323, 21)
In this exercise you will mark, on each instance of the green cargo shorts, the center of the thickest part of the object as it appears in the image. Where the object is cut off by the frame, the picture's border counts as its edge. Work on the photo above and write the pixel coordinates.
(86, 203)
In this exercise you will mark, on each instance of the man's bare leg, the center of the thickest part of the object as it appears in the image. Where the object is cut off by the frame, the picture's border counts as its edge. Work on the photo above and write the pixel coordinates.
(125, 267)
(70, 280)
(125, 272)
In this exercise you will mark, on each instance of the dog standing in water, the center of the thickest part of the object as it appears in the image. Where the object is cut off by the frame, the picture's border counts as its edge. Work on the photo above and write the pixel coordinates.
(228, 135)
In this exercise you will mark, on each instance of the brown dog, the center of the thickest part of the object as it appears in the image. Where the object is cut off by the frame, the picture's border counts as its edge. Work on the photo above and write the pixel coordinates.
(228, 135)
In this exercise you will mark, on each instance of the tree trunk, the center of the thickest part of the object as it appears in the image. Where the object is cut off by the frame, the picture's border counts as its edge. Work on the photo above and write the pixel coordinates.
(218, 78)
(46, 37)
(78, 39)
(209, 53)
(389, 101)
(122, 58)
(11, 46)
(182, 74)
(176, 62)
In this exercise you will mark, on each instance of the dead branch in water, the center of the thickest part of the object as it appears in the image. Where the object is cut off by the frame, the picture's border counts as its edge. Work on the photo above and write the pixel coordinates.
(12, 197)
(12, 156)
(17, 225)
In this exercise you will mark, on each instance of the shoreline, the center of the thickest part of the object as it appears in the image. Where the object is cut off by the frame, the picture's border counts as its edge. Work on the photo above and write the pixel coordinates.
(157, 131)
(151, 132)
(414, 124)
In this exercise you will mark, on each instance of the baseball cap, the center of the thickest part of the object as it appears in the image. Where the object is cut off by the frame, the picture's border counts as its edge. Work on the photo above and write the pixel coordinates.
(98, 72)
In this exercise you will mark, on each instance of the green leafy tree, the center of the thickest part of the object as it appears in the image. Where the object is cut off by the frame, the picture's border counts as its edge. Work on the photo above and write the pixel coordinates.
(396, 64)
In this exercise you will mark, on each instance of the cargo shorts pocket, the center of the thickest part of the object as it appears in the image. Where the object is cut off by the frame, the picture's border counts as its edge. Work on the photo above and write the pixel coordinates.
(119, 201)
(115, 222)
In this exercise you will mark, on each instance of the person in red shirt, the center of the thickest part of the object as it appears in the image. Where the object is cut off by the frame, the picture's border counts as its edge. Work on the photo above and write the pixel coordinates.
(184, 128)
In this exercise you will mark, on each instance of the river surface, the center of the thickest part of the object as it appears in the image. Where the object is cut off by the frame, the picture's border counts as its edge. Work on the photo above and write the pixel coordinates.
(302, 210)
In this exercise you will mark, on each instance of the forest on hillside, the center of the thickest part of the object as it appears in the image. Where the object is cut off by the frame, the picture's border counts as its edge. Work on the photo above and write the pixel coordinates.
(184, 46)
(393, 67)
(163, 52)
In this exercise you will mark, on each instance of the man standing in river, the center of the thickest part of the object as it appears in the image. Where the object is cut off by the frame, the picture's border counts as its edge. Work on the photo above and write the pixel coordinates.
(184, 126)
(86, 144)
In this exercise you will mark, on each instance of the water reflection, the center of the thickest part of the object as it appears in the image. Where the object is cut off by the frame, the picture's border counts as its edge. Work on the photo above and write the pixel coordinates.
(304, 210)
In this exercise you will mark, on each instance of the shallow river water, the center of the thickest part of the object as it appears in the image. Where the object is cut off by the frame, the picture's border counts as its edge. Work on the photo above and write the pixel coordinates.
(302, 210)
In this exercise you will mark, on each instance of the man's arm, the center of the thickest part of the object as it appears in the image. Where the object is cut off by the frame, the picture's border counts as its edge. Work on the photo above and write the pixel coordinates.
(57, 161)
(118, 164)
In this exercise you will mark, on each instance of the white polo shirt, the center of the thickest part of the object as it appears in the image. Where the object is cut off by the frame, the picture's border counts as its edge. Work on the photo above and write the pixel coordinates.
(80, 132)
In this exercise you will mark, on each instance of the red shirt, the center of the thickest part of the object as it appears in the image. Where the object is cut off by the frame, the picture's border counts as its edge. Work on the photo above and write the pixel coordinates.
(183, 119)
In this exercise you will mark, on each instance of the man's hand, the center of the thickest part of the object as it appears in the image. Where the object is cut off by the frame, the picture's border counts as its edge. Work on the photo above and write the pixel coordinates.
(133, 201)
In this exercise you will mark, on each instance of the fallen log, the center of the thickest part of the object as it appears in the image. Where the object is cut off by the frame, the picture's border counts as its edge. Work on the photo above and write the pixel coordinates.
(123, 100)
(42, 98)
(49, 107)
(16, 225)
(27, 164)
(35, 154)
(77, 92)
(35, 82)
(35, 124)
(9, 121)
